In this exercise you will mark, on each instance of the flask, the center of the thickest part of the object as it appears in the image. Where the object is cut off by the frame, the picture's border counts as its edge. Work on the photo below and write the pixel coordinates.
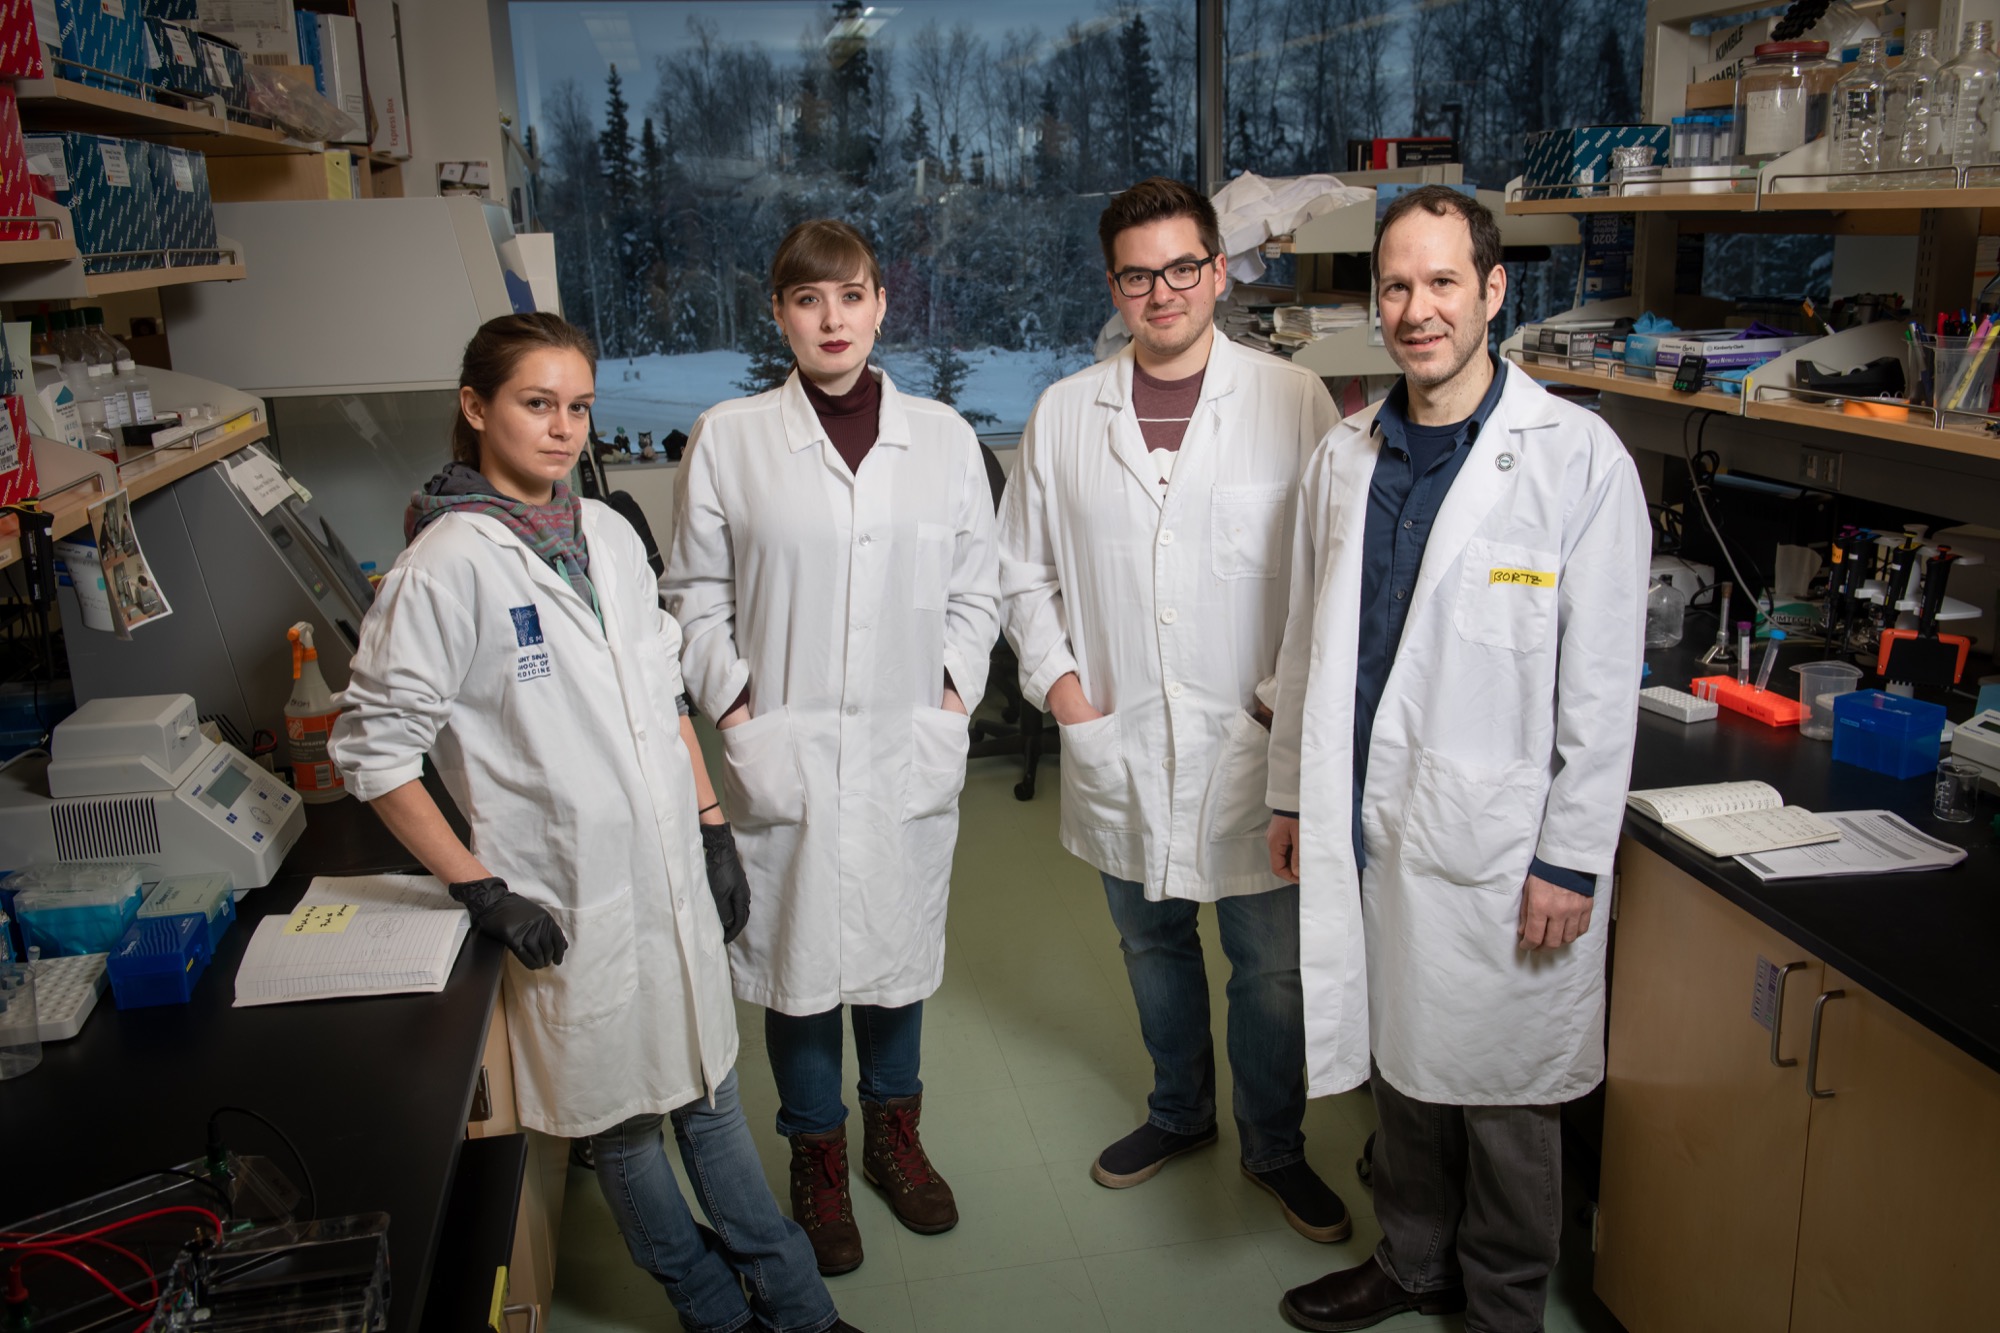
(309, 718)
(1856, 147)
(1966, 98)
(1909, 107)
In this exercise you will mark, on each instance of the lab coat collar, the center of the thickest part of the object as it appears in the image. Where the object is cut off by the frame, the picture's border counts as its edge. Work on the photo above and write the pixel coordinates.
(802, 424)
(1114, 389)
(539, 571)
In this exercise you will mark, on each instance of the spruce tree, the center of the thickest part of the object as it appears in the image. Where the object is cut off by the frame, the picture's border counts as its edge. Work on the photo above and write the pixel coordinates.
(614, 147)
(770, 355)
(948, 373)
(1138, 124)
(1048, 144)
(916, 134)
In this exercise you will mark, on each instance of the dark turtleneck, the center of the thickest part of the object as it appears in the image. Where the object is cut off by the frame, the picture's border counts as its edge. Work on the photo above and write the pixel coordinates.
(852, 419)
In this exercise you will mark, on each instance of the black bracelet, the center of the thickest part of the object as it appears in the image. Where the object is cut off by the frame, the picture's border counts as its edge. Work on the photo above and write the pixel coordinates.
(712, 805)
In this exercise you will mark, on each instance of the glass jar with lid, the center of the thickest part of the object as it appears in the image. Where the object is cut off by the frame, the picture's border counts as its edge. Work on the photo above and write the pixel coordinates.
(1781, 100)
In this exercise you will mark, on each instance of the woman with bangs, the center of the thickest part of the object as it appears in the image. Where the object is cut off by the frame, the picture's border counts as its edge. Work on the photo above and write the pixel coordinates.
(833, 571)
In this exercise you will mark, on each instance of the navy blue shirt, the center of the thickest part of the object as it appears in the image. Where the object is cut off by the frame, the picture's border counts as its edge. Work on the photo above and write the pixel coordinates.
(1413, 474)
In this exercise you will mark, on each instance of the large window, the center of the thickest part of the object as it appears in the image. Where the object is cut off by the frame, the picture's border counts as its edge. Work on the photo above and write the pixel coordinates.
(973, 143)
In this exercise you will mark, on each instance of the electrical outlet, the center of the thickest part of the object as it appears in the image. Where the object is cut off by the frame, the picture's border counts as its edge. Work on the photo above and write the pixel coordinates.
(1821, 467)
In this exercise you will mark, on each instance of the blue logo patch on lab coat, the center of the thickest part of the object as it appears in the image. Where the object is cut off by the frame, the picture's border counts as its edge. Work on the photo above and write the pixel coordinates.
(527, 624)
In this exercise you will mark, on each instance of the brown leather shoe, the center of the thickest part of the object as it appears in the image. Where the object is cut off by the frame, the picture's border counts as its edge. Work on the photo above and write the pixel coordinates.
(821, 1203)
(893, 1161)
(1361, 1298)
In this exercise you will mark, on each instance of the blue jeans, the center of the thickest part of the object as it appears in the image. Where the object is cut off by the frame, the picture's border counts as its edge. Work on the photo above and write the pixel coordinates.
(1267, 1017)
(805, 1062)
(704, 1270)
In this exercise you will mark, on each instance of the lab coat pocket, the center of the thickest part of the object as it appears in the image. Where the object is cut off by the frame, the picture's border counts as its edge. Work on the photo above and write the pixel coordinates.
(1506, 596)
(1472, 825)
(1234, 806)
(599, 972)
(939, 739)
(932, 582)
(761, 780)
(1247, 531)
(1097, 791)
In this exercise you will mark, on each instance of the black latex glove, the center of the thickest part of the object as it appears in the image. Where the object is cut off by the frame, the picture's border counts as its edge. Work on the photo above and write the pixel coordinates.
(524, 927)
(725, 879)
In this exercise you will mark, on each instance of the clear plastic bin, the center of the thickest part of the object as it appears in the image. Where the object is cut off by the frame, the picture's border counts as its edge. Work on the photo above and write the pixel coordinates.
(1820, 683)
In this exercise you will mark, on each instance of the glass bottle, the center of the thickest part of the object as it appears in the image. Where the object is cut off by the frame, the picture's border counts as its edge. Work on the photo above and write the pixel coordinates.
(1966, 100)
(1909, 107)
(1781, 99)
(1855, 150)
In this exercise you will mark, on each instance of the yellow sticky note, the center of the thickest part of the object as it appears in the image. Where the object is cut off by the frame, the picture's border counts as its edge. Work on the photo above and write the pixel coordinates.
(1527, 578)
(321, 919)
(496, 1319)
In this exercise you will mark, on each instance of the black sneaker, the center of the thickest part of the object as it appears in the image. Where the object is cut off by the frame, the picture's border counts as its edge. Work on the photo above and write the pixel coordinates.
(1314, 1211)
(1140, 1155)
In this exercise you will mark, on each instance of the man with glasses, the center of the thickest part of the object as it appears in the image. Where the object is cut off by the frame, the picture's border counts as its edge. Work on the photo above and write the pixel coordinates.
(1145, 560)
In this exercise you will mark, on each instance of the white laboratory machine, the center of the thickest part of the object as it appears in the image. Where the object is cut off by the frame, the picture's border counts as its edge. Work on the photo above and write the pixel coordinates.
(1977, 741)
(134, 779)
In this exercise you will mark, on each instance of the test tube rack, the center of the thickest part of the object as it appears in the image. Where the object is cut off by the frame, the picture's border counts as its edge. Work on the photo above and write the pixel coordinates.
(1773, 710)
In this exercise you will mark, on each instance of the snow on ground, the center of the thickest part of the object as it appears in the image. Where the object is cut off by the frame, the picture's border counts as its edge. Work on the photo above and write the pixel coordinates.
(663, 393)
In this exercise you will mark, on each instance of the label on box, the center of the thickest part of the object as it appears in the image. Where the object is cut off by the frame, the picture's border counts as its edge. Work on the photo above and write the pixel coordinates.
(183, 171)
(218, 65)
(10, 444)
(117, 171)
(45, 158)
(183, 53)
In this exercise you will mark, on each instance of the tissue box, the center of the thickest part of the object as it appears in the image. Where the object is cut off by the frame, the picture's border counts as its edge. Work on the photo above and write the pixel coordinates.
(158, 961)
(1558, 157)
(103, 45)
(173, 60)
(20, 41)
(1887, 733)
(186, 210)
(107, 186)
(17, 195)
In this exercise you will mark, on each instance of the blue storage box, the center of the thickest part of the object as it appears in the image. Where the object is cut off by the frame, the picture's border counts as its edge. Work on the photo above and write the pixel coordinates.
(103, 46)
(107, 185)
(158, 961)
(1887, 733)
(209, 897)
(173, 59)
(179, 11)
(186, 209)
(225, 67)
(1583, 153)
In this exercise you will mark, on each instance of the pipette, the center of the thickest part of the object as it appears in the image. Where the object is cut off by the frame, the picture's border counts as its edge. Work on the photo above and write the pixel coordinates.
(1770, 659)
(1742, 652)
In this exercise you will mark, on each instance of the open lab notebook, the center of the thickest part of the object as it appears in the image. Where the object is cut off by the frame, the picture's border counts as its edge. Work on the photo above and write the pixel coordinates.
(1732, 818)
(367, 935)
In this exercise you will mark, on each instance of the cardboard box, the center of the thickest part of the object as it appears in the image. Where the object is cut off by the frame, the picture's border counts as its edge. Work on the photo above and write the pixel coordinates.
(1570, 343)
(187, 213)
(1719, 71)
(1559, 160)
(103, 45)
(173, 58)
(1740, 41)
(1726, 349)
(224, 65)
(20, 40)
(382, 70)
(107, 185)
(177, 11)
(340, 62)
(17, 195)
(18, 480)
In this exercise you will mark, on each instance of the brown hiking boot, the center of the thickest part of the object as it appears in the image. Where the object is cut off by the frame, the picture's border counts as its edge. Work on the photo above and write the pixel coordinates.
(893, 1161)
(821, 1203)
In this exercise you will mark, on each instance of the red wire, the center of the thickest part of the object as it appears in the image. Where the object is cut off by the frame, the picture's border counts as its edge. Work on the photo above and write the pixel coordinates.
(101, 1280)
(213, 1220)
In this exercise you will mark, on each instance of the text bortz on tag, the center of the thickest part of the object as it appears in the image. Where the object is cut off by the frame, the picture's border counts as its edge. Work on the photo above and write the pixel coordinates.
(1505, 462)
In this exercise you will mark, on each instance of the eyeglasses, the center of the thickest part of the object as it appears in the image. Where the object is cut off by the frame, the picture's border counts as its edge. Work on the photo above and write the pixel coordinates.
(1180, 277)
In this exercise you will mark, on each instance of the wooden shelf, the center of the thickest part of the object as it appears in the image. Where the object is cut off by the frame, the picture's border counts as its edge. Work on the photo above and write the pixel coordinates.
(1638, 203)
(1963, 441)
(146, 279)
(1632, 387)
(60, 104)
(1870, 201)
(51, 250)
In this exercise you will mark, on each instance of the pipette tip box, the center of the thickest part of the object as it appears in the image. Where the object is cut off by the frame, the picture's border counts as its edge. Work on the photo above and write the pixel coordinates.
(1887, 733)
(1773, 710)
(158, 961)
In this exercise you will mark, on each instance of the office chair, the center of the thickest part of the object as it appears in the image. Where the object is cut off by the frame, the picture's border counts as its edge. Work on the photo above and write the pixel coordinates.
(1022, 728)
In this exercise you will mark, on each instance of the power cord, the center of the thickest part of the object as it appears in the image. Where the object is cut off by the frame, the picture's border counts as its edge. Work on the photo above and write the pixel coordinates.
(218, 1154)
(1694, 456)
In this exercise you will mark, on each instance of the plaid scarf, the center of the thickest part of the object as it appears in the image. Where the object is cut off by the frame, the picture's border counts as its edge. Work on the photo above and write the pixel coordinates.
(553, 531)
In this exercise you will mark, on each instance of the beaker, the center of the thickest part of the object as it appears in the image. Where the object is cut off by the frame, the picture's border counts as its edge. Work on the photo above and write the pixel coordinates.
(20, 1022)
(1819, 684)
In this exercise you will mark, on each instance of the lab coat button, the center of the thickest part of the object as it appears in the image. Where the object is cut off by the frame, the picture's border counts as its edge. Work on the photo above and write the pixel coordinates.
(1167, 537)
(865, 539)
(1402, 594)
(1169, 616)
(1174, 690)
(854, 710)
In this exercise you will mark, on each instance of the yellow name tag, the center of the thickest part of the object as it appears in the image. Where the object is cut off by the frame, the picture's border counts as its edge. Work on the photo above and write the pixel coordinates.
(324, 919)
(1529, 578)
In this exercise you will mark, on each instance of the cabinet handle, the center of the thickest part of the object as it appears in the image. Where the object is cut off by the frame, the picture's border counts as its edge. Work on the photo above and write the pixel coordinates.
(1778, 1017)
(1812, 1049)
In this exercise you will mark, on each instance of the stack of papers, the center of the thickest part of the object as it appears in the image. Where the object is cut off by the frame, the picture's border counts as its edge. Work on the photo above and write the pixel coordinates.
(1872, 842)
(1732, 818)
(1297, 325)
(369, 935)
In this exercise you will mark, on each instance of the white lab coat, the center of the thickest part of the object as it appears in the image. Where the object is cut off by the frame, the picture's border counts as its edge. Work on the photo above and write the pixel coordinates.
(560, 742)
(1168, 603)
(841, 599)
(1504, 733)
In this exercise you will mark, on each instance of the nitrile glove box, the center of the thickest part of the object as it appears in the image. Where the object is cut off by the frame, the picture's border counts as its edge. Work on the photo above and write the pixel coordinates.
(172, 60)
(1726, 349)
(1583, 154)
(1887, 733)
(103, 45)
(107, 185)
(186, 209)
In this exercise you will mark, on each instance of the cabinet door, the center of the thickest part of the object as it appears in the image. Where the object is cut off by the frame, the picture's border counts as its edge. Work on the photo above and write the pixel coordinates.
(1901, 1216)
(1704, 1138)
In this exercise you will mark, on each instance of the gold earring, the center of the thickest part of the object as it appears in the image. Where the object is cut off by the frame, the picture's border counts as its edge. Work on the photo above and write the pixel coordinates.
(878, 328)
